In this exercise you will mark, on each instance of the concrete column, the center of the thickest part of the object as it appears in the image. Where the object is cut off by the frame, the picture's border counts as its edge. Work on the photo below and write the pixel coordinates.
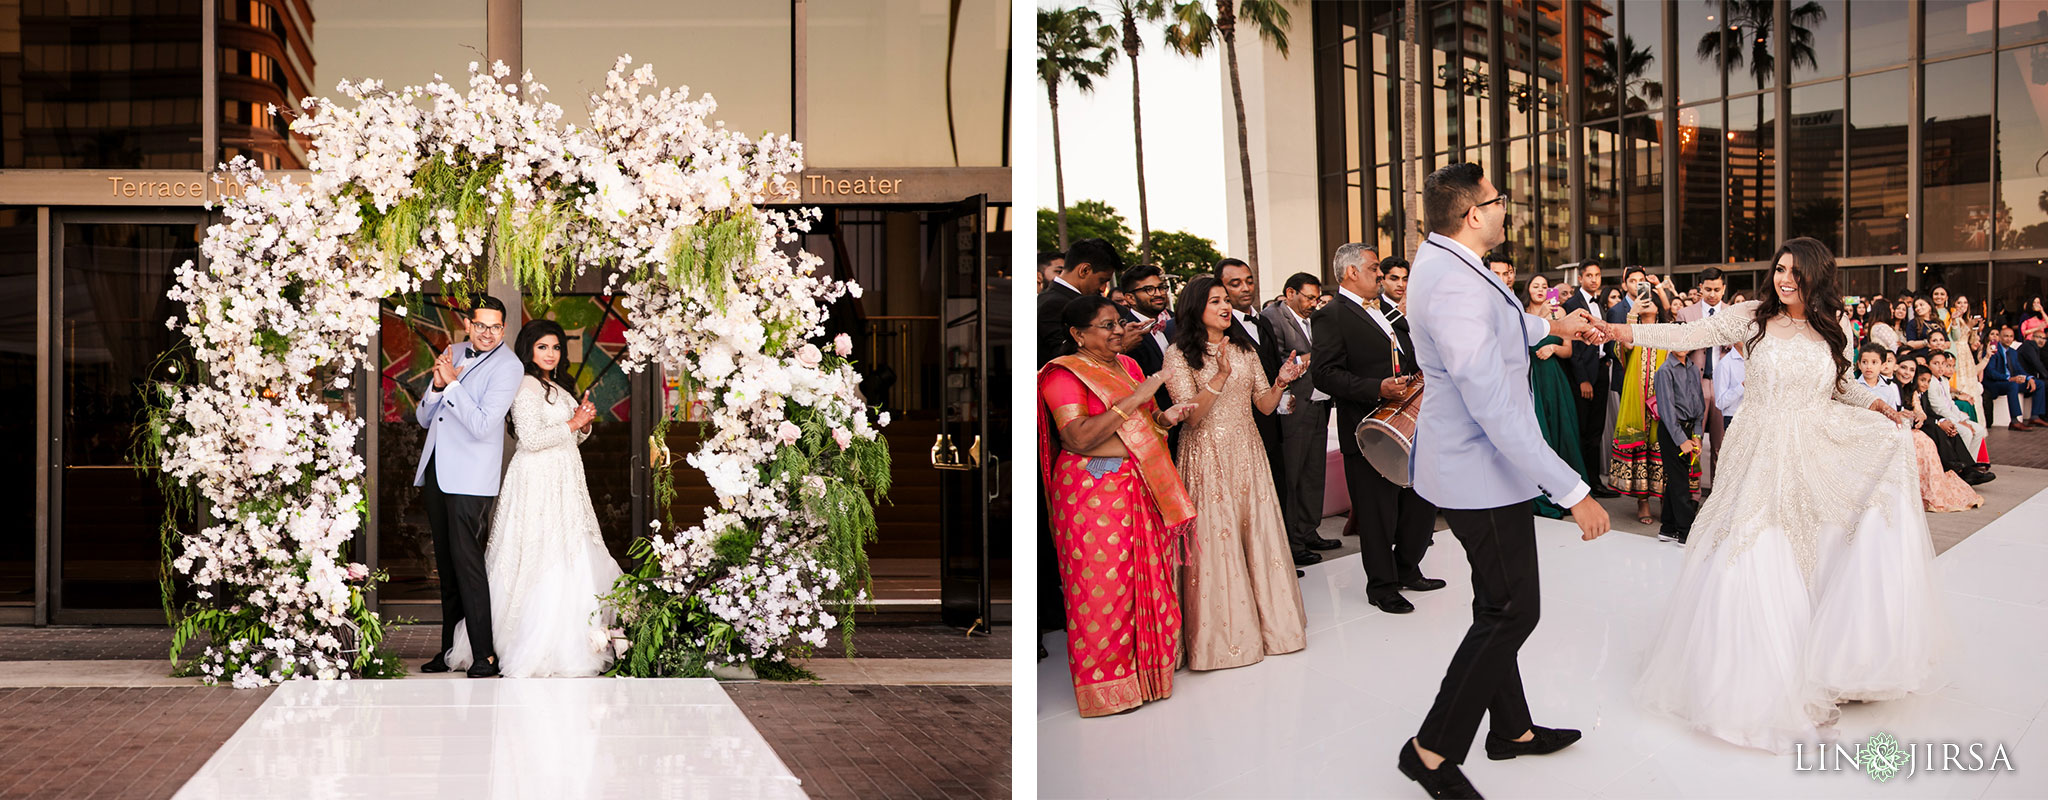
(1279, 99)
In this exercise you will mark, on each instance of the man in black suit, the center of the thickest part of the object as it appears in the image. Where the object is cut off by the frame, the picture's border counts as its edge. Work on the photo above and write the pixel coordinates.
(2030, 359)
(1589, 375)
(1050, 265)
(1241, 288)
(1304, 418)
(1145, 286)
(1090, 263)
(1355, 362)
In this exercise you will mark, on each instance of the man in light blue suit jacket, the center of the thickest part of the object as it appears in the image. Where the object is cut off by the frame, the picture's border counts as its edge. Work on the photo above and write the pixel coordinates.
(474, 385)
(1480, 457)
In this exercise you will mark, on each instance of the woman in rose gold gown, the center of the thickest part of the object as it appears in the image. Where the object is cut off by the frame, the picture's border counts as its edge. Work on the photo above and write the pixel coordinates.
(1242, 601)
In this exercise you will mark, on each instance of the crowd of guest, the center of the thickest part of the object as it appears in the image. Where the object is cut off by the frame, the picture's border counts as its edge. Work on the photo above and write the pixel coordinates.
(1184, 435)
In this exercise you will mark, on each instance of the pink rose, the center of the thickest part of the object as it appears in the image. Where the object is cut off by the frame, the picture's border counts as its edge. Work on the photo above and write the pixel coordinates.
(358, 572)
(788, 433)
(809, 356)
(843, 437)
(843, 345)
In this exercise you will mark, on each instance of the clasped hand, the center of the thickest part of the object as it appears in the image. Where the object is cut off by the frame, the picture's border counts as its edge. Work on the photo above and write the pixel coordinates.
(1582, 326)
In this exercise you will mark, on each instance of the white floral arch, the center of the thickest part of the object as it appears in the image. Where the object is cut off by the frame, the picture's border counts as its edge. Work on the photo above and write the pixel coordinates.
(434, 183)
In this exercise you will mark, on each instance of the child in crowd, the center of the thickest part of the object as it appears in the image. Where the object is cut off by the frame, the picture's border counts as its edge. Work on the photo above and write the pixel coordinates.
(1870, 363)
(1681, 417)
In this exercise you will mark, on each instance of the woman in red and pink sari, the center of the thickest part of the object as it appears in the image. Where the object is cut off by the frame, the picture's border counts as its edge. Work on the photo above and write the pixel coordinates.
(1120, 518)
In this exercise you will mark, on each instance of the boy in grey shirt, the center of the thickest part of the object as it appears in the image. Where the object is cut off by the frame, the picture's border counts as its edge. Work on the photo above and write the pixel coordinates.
(1681, 410)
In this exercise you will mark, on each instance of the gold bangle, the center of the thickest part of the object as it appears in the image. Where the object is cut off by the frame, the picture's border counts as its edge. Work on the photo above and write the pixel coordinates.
(1211, 388)
(1119, 411)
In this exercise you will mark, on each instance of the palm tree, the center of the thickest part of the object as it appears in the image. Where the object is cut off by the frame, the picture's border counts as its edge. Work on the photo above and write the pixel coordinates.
(1634, 89)
(1746, 38)
(1131, 11)
(1073, 45)
(1193, 31)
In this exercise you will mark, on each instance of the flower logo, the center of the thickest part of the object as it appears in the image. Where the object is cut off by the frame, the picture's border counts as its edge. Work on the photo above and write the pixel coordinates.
(1882, 758)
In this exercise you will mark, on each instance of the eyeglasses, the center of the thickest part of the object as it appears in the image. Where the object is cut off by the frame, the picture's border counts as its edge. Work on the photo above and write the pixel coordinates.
(486, 328)
(1145, 290)
(1502, 199)
(1112, 326)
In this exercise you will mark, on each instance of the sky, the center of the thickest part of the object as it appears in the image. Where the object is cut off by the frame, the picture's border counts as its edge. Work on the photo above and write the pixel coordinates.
(1184, 125)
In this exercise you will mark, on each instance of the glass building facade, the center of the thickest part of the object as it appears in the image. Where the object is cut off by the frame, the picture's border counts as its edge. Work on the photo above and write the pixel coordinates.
(112, 114)
(1911, 136)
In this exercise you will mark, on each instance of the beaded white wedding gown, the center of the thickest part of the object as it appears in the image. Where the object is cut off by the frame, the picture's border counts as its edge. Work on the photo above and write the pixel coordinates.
(1809, 574)
(546, 564)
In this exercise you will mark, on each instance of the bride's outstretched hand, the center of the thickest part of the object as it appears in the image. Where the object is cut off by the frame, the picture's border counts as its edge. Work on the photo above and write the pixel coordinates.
(1897, 417)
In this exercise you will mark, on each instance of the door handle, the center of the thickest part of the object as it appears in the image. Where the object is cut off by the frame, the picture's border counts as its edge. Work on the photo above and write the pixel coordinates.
(946, 455)
(995, 466)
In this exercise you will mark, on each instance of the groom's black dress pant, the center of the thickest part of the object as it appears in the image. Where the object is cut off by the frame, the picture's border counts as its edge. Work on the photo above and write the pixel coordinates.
(1500, 544)
(459, 522)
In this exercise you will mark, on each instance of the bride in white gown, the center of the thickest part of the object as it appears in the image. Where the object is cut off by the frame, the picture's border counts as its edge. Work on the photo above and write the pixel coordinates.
(547, 564)
(1809, 576)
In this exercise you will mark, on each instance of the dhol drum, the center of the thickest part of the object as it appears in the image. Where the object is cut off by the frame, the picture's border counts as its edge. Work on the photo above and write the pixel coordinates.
(1387, 435)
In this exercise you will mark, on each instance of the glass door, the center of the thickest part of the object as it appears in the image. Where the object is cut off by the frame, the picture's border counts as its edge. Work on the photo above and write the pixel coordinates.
(113, 271)
(962, 451)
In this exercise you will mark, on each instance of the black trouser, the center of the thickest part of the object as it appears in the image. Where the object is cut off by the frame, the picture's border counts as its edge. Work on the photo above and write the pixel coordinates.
(1276, 464)
(1304, 451)
(1483, 678)
(1955, 456)
(1052, 607)
(1679, 507)
(1592, 418)
(1395, 526)
(459, 522)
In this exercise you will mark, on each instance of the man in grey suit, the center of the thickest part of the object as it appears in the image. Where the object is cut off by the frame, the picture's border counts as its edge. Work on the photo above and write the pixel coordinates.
(1304, 419)
(464, 414)
(1480, 457)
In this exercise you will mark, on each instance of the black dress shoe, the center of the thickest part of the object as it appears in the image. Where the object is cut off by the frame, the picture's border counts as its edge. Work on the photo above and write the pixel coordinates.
(435, 664)
(1303, 558)
(1545, 742)
(1393, 604)
(483, 669)
(1444, 781)
(1423, 584)
(1979, 476)
(1320, 543)
(1603, 492)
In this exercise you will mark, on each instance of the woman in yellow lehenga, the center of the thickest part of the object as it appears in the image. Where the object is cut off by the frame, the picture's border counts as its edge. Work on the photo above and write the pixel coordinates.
(1635, 466)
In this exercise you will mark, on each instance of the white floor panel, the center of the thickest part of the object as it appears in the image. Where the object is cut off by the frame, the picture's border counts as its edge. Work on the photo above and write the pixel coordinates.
(541, 738)
(1328, 721)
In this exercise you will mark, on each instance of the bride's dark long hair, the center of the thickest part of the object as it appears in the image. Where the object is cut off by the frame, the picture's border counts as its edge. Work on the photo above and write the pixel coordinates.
(529, 336)
(1814, 269)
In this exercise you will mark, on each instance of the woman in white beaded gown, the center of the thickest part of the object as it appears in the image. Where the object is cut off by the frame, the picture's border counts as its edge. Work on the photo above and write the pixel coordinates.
(547, 564)
(1808, 580)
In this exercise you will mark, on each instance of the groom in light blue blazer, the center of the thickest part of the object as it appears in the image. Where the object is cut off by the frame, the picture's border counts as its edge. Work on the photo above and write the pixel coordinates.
(1481, 458)
(464, 414)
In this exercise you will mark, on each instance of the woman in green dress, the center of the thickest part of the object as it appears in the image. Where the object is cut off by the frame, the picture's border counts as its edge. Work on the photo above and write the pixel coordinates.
(1556, 414)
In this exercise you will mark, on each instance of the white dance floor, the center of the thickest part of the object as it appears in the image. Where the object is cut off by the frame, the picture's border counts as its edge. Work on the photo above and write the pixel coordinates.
(498, 738)
(1328, 721)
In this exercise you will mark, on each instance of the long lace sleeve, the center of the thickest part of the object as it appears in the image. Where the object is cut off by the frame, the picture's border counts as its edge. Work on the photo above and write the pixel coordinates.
(534, 420)
(1180, 380)
(1728, 327)
(1853, 392)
